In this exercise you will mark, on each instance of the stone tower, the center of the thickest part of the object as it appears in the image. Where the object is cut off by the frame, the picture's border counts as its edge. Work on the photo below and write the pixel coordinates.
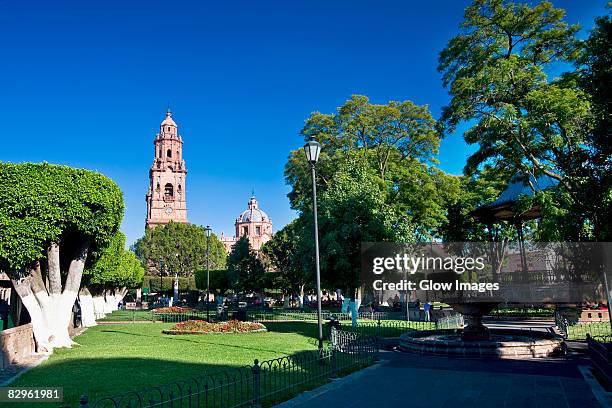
(166, 195)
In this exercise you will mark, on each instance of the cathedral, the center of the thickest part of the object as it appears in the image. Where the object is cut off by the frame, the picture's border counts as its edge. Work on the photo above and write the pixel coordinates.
(252, 223)
(166, 195)
(166, 199)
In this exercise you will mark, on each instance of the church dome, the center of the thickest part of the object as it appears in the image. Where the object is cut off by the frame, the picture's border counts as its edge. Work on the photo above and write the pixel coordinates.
(253, 214)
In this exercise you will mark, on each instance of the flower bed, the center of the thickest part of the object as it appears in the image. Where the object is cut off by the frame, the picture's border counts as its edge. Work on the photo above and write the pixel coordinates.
(203, 327)
(173, 310)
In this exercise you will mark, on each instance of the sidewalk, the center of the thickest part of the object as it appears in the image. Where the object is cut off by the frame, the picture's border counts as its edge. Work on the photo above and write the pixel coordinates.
(431, 382)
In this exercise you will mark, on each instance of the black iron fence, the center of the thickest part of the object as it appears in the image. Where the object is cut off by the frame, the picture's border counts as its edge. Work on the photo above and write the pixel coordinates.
(451, 322)
(264, 383)
(272, 314)
(580, 331)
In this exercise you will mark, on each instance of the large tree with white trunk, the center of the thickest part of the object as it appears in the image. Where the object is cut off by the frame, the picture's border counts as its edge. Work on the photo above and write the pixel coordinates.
(53, 221)
(106, 282)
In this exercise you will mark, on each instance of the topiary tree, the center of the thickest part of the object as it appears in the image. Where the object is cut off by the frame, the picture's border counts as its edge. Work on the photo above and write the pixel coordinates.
(218, 281)
(107, 281)
(53, 221)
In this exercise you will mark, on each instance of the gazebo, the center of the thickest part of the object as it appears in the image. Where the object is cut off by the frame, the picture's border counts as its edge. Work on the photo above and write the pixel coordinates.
(502, 209)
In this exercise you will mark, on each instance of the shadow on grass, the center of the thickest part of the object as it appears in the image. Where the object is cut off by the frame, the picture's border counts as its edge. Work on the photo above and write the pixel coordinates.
(138, 382)
(307, 329)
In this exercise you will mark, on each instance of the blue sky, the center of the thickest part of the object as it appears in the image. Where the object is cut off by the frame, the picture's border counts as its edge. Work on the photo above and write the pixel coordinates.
(87, 83)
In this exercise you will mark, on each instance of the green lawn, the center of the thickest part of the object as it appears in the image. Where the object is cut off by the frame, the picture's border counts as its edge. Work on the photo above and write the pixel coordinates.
(113, 359)
(127, 316)
(580, 330)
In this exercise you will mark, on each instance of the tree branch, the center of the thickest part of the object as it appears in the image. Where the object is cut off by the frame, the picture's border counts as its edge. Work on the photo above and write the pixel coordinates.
(75, 271)
(54, 272)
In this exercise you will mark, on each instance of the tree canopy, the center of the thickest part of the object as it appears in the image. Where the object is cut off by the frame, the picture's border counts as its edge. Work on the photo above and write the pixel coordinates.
(116, 267)
(181, 247)
(289, 255)
(53, 221)
(396, 141)
(522, 121)
(244, 269)
(44, 203)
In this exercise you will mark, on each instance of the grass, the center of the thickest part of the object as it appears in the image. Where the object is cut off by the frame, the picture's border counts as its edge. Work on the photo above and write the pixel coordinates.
(127, 316)
(114, 359)
(580, 330)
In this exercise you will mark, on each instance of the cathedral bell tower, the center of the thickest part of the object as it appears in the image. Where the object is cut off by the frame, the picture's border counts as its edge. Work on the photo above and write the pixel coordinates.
(166, 195)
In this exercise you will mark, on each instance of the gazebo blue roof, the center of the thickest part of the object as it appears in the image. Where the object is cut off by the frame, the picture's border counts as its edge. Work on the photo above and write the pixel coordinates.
(501, 208)
(518, 186)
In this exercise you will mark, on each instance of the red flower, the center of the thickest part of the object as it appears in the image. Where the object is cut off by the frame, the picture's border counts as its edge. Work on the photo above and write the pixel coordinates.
(201, 326)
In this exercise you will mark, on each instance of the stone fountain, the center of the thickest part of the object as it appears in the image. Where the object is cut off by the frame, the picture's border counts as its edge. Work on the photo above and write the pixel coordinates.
(475, 339)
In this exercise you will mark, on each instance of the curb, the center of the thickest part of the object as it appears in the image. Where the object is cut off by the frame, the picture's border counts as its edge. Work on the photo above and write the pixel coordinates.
(602, 396)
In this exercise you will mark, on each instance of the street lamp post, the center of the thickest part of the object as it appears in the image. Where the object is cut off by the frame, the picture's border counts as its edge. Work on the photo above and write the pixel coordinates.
(161, 279)
(207, 273)
(312, 149)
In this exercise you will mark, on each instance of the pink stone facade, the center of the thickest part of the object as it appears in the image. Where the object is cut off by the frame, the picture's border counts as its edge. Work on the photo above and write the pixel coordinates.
(254, 223)
(166, 197)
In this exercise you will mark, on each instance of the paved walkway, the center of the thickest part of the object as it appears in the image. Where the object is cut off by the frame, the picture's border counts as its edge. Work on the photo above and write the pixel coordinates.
(14, 371)
(406, 380)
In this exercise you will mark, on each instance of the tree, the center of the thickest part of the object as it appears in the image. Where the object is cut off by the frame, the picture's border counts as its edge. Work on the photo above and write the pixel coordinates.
(245, 270)
(397, 141)
(182, 248)
(53, 221)
(595, 75)
(521, 121)
(285, 253)
(106, 282)
(353, 210)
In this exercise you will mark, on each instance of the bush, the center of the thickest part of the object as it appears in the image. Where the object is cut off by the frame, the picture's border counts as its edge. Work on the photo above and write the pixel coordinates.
(185, 283)
(173, 310)
(218, 280)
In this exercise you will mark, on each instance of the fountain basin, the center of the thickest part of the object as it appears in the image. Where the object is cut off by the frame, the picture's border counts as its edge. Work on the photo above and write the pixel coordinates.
(502, 343)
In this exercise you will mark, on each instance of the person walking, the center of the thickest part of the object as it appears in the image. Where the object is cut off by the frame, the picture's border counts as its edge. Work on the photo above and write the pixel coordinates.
(426, 308)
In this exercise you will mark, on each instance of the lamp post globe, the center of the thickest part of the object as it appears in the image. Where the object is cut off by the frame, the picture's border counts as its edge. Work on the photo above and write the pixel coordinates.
(312, 149)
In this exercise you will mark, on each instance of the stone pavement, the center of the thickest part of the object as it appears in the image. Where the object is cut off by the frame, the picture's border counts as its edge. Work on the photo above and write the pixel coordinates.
(407, 380)
(13, 371)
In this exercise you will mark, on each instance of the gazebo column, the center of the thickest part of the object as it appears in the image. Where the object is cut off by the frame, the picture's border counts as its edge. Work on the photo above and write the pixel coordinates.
(521, 239)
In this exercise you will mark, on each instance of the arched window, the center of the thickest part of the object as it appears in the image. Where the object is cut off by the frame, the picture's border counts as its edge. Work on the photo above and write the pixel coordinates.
(169, 153)
(168, 191)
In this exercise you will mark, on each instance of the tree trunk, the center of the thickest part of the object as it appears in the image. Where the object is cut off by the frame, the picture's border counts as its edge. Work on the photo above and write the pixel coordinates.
(98, 305)
(112, 297)
(50, 307)
(301, 297)
(88, 317)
